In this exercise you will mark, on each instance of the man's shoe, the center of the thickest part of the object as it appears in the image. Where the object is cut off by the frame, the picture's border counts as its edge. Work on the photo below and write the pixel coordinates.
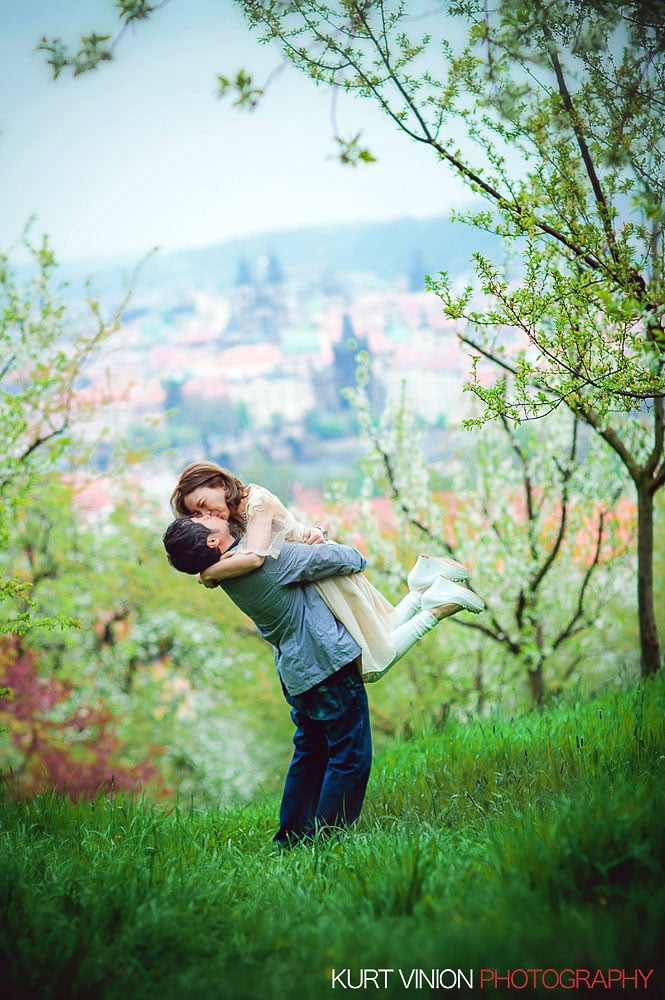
(445, 592)
(428, 569)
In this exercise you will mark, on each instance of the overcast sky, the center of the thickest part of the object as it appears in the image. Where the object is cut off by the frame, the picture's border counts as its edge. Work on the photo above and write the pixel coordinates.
(141, 152)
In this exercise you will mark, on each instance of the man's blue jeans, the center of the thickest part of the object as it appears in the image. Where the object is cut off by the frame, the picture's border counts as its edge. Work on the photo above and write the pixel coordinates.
(327, 777)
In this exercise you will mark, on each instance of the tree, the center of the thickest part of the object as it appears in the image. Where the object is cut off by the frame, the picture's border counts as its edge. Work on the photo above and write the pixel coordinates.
(564, 102)
(72, 748)
(551, 111)
(44, 355)
(533, 508)
(41, 413)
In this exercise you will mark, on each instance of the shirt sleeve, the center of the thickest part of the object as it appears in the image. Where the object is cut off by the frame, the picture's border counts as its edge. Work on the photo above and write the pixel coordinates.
(300, 563)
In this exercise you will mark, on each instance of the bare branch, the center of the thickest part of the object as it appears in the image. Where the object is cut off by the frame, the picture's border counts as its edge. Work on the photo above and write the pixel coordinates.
(573, 627)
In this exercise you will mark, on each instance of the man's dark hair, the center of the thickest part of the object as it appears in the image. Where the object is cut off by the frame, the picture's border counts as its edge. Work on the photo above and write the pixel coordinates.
(185, 541)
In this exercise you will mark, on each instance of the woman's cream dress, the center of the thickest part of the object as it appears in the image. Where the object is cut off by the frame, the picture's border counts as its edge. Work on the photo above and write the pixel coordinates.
(352, 599)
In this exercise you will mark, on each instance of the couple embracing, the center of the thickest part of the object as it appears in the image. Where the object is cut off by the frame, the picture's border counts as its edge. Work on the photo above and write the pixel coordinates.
(331, 630)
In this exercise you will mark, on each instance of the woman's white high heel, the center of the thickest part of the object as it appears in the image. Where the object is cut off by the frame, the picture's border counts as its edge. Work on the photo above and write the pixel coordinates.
(445, 592)
(428, 569)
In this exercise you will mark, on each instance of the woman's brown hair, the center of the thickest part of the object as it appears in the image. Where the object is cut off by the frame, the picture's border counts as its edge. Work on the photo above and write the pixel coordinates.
(209, 474)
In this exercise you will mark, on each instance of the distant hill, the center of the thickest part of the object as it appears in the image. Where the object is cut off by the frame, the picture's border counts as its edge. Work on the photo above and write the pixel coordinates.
(402, 247)
(386, 249)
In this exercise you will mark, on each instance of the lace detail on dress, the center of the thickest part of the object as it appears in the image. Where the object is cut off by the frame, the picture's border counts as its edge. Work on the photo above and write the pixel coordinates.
(261, 506)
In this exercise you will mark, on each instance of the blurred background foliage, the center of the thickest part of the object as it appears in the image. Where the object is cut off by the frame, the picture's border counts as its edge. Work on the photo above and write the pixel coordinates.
(117, 671)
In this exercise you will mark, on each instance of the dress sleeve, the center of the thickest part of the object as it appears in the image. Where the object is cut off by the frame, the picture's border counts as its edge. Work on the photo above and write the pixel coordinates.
(269, 524)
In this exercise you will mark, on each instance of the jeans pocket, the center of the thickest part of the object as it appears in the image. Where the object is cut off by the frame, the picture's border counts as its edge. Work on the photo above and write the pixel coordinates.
(327, 700)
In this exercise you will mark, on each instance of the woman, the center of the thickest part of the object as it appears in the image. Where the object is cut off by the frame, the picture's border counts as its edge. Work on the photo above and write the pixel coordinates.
(262, 523)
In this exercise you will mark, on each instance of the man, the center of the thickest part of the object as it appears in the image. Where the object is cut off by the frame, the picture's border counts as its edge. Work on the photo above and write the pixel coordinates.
(316, 661)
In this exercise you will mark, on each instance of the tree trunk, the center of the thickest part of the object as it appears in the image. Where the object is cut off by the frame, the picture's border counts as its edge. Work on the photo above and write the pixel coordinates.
(650, 660)
(537, 684)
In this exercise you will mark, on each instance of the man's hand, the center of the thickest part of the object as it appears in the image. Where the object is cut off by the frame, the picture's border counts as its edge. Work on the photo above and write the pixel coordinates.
(206, 581)
(314, 536)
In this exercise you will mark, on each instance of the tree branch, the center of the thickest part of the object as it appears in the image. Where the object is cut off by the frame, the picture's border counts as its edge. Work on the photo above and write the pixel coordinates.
(578, 130)
(578, 615)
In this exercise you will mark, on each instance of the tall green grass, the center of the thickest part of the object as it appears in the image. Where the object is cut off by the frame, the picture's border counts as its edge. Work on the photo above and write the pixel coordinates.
(532, 843)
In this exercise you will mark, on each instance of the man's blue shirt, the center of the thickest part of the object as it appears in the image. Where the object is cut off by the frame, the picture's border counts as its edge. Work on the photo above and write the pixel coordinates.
(309, 642)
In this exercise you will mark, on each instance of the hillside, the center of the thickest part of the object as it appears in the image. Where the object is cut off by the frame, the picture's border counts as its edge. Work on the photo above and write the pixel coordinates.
(509, 856)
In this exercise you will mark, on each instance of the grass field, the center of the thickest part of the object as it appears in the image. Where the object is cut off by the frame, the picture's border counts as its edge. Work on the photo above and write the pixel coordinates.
(534, 843)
